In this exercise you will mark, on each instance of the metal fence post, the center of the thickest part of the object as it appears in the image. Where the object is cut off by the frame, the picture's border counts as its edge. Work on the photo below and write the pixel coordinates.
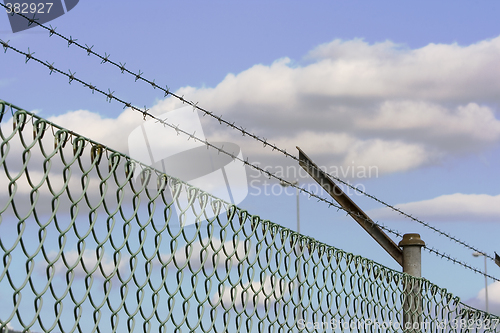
(412, 299)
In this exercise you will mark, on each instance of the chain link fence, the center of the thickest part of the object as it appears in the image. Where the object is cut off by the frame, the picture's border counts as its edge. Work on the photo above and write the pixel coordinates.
(90, 242)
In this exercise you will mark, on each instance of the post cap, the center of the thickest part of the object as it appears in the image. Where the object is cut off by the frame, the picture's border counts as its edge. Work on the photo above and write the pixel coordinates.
(411, 240)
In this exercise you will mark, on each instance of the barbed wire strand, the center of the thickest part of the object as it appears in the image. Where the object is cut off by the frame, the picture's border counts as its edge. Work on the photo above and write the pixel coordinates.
(440, 254)
(109, 96)
(138, 76)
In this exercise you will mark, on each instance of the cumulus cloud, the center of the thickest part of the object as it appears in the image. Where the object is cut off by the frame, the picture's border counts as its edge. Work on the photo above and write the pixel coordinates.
(493, 293)
(207, 253)
(450, 207)
(434, 125)
(375, 104)
(479, 301)
(101, 266)
(440, 72)
(112, 132)
(254, 294)
(351, 103)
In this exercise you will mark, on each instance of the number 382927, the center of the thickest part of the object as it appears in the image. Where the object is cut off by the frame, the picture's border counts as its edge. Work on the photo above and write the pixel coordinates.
(28, 8)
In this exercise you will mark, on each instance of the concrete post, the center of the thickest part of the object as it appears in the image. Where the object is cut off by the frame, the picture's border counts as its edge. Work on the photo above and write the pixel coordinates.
(412, 264)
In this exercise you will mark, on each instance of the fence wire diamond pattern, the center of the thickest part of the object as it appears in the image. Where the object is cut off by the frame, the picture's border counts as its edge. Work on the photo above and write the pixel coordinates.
(88, 246)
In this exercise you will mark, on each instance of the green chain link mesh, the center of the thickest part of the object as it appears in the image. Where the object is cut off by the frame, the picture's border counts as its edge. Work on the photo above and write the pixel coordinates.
(88, 248)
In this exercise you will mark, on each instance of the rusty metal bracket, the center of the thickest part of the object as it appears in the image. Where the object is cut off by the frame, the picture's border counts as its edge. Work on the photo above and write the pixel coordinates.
(350, 207)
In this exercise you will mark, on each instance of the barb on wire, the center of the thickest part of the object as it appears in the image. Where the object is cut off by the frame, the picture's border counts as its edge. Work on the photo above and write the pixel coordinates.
(440, 254)
(51, 67)
(145, 112)
(458, 262)
(110, 96)
(32, 20)
(89, 49)
(365, 288)
(4, 45)
(138, 76)
(29, 56)
(243, 131)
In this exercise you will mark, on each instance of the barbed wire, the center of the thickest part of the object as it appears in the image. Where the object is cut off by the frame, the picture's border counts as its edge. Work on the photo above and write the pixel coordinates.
(440, 254)
(109, 96)
(459, 262)
(243, 131)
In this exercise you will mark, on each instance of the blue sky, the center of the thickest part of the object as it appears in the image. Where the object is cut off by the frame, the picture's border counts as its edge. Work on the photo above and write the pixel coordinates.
(411, 88)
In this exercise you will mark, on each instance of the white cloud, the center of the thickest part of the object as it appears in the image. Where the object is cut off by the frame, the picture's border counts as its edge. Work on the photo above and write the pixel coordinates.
(207, 253)
(435, 125)
(493, 293)
(387, 70)
(215, 255)
(254, 294)
(424, 116)
(397, 155)
(107, 131)
(91, 261)
(450, 207)
(380, 104)
(479, 302)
